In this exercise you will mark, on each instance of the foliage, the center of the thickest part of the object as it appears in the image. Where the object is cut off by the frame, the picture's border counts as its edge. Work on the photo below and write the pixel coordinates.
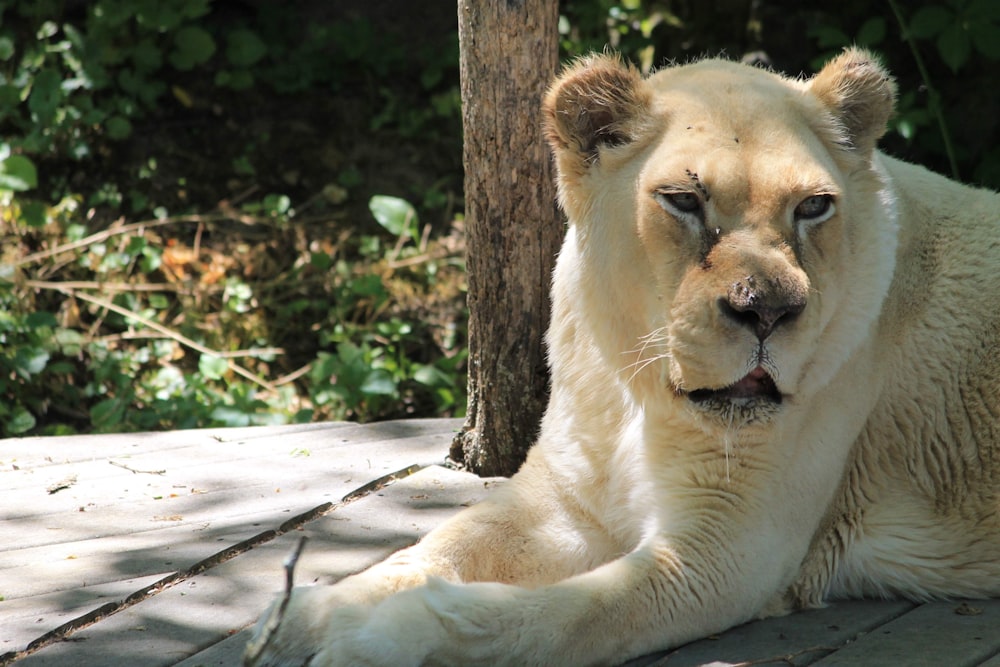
(184, 319)
(228, 214)
(151, 367)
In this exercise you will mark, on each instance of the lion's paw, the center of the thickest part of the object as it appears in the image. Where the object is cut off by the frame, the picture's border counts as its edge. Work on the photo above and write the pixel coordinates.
(439, 623)
(295, 633)
(442, 623)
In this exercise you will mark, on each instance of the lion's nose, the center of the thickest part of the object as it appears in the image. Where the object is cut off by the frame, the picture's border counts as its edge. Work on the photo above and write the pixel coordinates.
(762, 305)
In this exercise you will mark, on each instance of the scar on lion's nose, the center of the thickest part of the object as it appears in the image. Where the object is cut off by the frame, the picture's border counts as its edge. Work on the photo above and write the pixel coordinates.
(761, 308)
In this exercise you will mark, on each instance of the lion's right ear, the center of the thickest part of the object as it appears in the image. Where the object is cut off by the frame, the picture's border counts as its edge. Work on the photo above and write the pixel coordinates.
(598, 101)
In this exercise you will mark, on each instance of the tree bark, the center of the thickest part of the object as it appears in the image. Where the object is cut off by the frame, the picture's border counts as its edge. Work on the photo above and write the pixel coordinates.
(509, 54)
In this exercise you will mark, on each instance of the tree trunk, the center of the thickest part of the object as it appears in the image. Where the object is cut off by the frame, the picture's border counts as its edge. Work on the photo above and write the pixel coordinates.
(509, 54)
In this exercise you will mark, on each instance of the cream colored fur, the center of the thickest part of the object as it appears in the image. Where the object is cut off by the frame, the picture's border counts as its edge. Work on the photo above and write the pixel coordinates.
(775, 366)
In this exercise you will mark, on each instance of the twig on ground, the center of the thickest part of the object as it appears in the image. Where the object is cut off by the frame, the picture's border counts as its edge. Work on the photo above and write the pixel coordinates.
(255, 647)
(138, 472)
(64, 483)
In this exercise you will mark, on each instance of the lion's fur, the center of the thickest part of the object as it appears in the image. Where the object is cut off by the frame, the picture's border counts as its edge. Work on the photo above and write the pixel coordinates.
(853, 448)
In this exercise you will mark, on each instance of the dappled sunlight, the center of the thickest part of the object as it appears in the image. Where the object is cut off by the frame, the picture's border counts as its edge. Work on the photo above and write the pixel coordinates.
(203, 515)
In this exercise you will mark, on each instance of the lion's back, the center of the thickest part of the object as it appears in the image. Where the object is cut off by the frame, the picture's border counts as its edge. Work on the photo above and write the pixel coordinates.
(925, 478)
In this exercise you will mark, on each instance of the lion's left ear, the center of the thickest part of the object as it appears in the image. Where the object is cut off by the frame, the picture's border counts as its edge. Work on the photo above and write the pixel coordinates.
(860, 94)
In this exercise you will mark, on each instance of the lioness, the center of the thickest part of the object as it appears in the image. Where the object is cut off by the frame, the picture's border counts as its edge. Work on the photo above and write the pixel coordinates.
(775, 366)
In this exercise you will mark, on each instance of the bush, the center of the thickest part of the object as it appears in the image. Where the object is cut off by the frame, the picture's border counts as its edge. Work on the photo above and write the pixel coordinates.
(132, 300)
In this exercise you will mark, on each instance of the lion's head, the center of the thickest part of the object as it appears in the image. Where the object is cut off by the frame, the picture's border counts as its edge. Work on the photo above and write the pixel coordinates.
(731, 238)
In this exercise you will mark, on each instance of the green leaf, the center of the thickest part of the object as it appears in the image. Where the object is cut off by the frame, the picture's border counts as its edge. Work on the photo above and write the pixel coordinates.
(276, 204)
(118, 128)
(394, 214)
(194, 46)
(46, 95)
(107, 413)
(955, 46)
(324, 367)
(930, 21)
(160, 16)
(986, 38)
(240, 79)
(63, 368)
(151, 260)
(244, 48)
(368, 285)
(350, 354)
(432, 377)
(212, 367)
(192, 9)
(10, 97)
(17, 174)
(6, 48)
(147, 56)
(20, 421)
(40, 318)
(159, 301)
(70, 341)
(378, 382)
(320, 261)
(30, 361)
(230, 416)
(34, 213)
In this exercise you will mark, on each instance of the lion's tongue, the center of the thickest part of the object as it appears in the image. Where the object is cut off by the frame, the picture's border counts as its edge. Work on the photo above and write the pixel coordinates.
(755, 383)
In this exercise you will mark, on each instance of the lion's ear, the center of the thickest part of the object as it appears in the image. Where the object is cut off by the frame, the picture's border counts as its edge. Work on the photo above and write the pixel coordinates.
(860, 94)
(598, 101)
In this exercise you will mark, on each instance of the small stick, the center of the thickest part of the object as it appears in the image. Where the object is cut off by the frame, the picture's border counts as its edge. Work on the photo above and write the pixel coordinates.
(62, 484)
(255, 647)
(136, 472)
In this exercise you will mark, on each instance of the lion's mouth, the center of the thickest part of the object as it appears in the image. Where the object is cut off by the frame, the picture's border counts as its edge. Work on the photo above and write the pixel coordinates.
(755, 386)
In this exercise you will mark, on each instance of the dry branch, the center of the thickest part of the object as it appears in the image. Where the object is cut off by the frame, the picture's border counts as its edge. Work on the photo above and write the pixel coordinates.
(169, 333)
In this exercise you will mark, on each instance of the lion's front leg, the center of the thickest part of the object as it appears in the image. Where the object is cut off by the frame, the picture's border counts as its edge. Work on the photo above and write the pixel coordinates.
(384, 615)
(664, 593)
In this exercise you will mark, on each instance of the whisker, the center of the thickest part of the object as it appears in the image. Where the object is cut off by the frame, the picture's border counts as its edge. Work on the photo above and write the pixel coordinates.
(650, 348)
(641, 365)
(638, 370)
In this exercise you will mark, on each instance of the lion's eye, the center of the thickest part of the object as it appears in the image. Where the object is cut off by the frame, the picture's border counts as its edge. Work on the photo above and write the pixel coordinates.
(679, 203)
(815, 209)
(684, 201)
